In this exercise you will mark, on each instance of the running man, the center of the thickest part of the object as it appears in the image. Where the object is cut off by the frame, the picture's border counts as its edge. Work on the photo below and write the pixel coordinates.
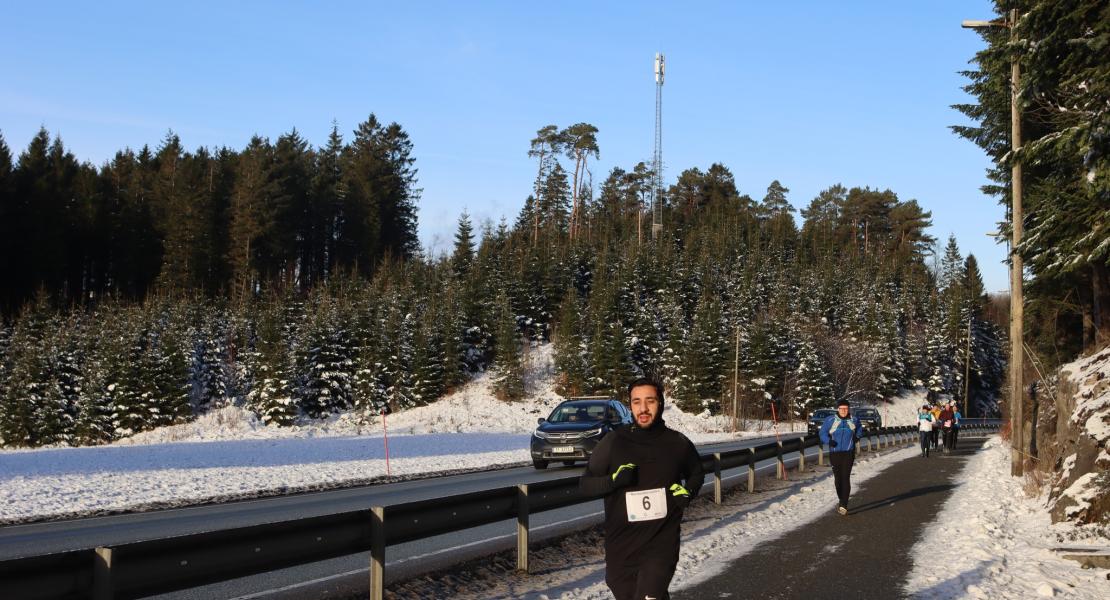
(648, 473)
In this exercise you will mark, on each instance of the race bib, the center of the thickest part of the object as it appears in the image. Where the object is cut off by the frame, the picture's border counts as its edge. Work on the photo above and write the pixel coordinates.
(646, 505)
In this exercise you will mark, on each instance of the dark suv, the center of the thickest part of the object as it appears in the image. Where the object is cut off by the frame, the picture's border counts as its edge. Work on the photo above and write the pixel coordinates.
(574, 428)
(869, 418)
(817, 419)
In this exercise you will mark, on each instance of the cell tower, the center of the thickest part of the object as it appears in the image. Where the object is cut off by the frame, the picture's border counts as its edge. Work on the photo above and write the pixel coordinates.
(657, 159)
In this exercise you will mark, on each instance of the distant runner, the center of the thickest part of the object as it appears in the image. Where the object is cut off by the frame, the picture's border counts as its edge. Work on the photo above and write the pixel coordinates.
(657, 472)
(925, 429)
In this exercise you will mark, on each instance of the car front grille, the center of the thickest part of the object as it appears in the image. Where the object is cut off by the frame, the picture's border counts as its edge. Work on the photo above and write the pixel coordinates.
(564, 437)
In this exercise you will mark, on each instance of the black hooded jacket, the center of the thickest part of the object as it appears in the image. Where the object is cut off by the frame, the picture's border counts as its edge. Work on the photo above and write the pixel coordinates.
(662, 456)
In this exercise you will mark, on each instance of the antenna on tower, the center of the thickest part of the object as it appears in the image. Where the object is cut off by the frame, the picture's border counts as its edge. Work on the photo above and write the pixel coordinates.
(657, 158)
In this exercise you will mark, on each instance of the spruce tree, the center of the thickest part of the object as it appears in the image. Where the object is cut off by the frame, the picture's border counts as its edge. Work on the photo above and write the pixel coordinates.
(508, 376)
(813, 384)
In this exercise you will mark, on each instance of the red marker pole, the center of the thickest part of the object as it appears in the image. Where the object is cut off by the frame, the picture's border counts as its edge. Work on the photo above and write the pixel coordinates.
(386, 430)
(775, 418)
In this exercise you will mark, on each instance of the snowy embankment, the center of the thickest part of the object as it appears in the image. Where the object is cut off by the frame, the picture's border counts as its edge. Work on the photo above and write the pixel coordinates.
(229, 454)
(994, 542)
(713, 537)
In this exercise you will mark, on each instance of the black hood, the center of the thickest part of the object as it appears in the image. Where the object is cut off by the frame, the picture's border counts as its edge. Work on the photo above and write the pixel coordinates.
(548, 426)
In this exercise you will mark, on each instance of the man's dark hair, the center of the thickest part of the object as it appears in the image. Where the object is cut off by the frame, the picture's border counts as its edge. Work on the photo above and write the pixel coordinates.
(646, 381)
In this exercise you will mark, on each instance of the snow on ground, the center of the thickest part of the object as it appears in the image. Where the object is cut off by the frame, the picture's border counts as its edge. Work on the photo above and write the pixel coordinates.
(229, 454)
(713, 537)
(902, 409)
(997, 543)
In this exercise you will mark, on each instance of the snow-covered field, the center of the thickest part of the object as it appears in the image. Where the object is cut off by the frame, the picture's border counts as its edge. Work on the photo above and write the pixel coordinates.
(997, 543)
(998, 546)
(229, 454)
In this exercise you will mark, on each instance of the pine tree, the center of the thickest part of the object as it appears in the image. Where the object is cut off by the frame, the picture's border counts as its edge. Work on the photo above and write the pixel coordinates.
(429, 359)
(570, 345)
(813, 383)
(208, 370)
(271, 396)
(324, 362)
(463, 255)
(703, 360)
(508, 378)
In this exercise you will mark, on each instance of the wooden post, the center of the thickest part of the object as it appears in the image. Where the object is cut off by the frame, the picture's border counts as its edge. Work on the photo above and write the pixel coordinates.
(522, 528)
(751, 471)
(781, 464)
(103, 588)
(820, 455)
(377, 553)
(802, 457)
(717, 478)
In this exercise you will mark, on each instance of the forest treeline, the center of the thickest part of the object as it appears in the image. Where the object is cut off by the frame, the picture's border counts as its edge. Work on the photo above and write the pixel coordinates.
(288, 280)
(219, 222)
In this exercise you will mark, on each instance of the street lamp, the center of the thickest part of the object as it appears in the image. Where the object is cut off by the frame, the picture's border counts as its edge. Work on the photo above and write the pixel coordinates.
(1017, 434)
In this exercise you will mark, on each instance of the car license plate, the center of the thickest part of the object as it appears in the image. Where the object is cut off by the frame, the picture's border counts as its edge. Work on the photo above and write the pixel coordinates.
(563, 450)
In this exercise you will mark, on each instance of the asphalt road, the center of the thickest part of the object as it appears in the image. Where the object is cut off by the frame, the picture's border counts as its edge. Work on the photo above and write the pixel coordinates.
(865, 554)
(339, 575)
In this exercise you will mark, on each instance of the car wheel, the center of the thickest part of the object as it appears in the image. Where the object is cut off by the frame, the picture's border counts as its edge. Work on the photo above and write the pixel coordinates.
(539, 464)
(569, 463)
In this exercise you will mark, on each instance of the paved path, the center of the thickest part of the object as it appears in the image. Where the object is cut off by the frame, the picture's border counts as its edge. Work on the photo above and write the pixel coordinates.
(864, 555)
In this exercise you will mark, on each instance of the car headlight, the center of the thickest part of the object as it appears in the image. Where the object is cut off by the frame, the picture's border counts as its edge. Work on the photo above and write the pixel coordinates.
(540, 434)
(592, 432)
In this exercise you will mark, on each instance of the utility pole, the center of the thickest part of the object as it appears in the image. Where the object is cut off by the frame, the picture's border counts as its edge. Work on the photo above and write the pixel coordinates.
(736, 380)
(657, 158)
(1017, 312)
(967, 365)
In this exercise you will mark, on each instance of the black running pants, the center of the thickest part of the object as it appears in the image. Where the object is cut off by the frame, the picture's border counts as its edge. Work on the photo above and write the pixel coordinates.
(842, 474)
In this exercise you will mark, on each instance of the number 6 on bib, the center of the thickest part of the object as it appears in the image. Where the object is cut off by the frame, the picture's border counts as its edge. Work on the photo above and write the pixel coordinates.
(646, 505)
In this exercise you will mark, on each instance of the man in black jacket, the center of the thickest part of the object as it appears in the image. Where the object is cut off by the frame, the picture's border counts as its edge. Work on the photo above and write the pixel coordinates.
(648, 473)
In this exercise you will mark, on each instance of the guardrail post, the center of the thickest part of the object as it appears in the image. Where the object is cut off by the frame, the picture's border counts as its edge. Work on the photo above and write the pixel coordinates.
(716, 478)
(751, 471)
(781, 470)
(820, 454)
(802, 456)
(377, 553)
(103, 589)
(522, 527)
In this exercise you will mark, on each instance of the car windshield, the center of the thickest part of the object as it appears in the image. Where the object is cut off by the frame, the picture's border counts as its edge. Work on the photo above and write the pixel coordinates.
(824, 412)
(868, 412)
(574, 412)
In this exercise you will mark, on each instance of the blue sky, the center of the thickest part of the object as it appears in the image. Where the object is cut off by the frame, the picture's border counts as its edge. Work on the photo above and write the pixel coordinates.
(809, 93)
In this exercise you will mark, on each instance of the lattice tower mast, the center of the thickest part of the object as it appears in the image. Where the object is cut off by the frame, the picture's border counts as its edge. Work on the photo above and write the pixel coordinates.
(657, 158)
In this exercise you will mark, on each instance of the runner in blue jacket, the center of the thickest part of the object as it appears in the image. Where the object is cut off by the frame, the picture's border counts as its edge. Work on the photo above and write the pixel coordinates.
(841, 432)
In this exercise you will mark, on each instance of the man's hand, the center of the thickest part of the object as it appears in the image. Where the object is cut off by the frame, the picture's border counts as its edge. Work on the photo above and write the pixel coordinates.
(624, 476)
(680, 494)
(832, 443)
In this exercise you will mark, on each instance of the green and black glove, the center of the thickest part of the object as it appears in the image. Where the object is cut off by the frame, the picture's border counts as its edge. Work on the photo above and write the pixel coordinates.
(624, 476)
(680, 495)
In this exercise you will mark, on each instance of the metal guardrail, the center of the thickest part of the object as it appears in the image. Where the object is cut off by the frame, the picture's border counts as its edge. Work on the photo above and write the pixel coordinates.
(138, 569)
